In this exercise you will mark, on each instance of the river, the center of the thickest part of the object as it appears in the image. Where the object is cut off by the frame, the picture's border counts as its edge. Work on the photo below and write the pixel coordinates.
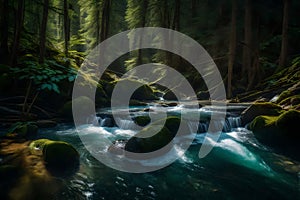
(239, 167)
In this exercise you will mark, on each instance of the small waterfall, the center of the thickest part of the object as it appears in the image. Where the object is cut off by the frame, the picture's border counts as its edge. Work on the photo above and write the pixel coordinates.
(107, 122)
(126, 124)
(231, 123)
(201, 127)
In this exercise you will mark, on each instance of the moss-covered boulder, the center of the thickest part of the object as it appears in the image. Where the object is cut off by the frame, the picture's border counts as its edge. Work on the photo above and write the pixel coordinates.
(143, 93)
(23, 129)
(59, 157)
(155, 142)
(258, 109)
(277, 130)
(142, 120)
(83, 103)
(170, 96)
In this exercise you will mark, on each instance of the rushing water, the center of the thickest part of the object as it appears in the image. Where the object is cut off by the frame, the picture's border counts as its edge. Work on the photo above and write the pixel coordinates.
(239, 167)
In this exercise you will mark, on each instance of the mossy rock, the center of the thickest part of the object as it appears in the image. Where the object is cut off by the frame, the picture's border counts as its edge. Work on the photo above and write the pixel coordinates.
(83, 103)
(257, 109)
(277, 130)
(292, 100)
(142, 120)
(292, 91)
(170, 96)
(155, 142)
(289, 122)
(150, 144)
(143, 93)
(23, 129)
(59, 157)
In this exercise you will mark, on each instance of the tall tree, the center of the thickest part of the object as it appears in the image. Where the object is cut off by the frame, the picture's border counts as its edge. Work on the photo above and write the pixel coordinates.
(43, 31)
(66, 26)
(105, 20)
(247, 50)
(4, 30)
(232, 47)
(19, 21)
(176, 16)
(136, 16)
(284, 41)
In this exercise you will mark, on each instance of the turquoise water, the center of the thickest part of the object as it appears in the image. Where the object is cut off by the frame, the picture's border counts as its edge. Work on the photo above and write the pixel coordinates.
(238, 167)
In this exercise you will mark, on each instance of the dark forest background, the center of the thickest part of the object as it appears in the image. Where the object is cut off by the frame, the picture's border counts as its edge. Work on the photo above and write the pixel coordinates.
(43, 43)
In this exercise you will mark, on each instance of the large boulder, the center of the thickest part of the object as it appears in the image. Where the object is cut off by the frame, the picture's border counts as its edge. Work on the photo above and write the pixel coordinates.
(170, 96)
(60, 157)
(142, 120)
(257, 109)
(155, 142)
(278, 131)
(143, 93)
(83, 103)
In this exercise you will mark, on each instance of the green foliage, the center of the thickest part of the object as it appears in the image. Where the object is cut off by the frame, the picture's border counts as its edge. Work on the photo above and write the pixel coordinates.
(45, 76)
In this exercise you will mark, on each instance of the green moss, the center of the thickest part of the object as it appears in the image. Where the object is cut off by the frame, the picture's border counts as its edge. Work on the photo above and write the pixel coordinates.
(57, 155)
(289, 122)
(258, 109)
(277, 130)
(142, 120)
(142, 93)
(261, 122)
(149, 144)
(284, 95)
(290, 100)
(161, 137)
(83, 103)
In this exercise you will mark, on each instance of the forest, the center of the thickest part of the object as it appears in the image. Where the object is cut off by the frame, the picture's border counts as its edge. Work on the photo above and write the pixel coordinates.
(44, 45)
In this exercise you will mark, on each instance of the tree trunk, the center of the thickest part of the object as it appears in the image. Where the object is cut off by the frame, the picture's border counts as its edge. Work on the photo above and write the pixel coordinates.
(232, 48)
(284, 41)
(255, 71)
(4, 31)
(105, 20)
(43, 31)
(19, 21)
(143, 23)
(247, 50)
(98, 27)
(66, 26)
(176, 18)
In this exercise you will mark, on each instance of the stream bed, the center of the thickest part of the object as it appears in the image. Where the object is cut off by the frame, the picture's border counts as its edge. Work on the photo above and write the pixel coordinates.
(238, 167)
